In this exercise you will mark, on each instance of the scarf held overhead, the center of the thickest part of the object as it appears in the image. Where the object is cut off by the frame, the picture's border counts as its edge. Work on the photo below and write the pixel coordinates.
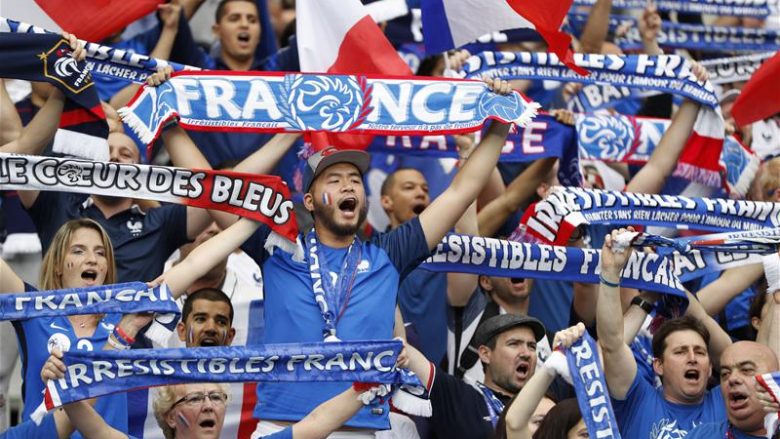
(261, 198)
(495, 257)
(554, 219)
(98, 373)
(591, 388)
(105, 60)
(748, 8)
(126, 298)
(278, 102)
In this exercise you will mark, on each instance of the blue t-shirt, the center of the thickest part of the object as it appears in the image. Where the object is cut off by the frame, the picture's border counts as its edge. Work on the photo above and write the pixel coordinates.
(142, 240)
(292, 315)
(717, 430)
(422, 297)
(31, 430)
(34, 337)
(645, 414)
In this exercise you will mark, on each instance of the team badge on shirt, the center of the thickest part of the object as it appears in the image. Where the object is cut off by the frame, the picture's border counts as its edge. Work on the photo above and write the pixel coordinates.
(59, 341)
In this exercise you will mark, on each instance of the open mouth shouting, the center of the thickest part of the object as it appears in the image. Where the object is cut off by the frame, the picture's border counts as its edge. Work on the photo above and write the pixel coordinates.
(737, 400)
(89, 276)
(348, 207)
(692, 376)
(522, 370)
(243, 39)
(419, 208)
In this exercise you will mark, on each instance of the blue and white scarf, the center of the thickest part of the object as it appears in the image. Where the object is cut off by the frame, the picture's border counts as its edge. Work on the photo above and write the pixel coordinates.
(92, 374)
(104, 60)
(554, 218)
(495, 257)
(690, 36)
(664, 73)
(734, 69)
(747, 8)
(591, 388)
(761, 242)
(126, 298)
(279, 102)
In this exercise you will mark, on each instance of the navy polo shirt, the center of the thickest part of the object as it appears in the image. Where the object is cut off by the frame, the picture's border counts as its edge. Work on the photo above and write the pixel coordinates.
(142, 240)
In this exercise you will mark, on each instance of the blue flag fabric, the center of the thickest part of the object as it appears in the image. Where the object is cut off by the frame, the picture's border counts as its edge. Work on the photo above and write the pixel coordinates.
(91, 374)
(126, 298)
(591, 389)
(663, 73)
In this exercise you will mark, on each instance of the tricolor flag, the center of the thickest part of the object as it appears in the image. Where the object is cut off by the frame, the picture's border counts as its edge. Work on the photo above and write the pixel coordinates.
(771, 382)
(339, 36)
(760, 98)
(448, 24)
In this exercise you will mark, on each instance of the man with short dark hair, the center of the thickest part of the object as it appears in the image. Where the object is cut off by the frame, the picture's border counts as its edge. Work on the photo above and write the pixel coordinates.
(507, 350)
(206, 319)
(681, 348)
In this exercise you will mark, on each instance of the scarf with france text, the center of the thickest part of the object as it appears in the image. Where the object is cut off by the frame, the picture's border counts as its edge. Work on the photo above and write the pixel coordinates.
(262, 198)
(591, 388)
(97, 373)
(661, 73)
(554, 219)
(126, 298)
(297, 102)
(47, 58)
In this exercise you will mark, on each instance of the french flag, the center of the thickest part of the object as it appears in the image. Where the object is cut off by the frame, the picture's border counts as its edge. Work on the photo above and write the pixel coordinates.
(94, 20)
(448, 24)
(760, 98)
(771, 382)
(339, 36)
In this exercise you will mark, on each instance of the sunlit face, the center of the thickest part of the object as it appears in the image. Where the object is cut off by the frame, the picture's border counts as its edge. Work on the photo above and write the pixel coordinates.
(85, 263)
(544, 406)
(238, 30)
(513, 361)
(207, 325)
(338, 199)
(197, 418)
(122, 149)
(579, 431)
(739, 363)
(407, 197)
(685, 367)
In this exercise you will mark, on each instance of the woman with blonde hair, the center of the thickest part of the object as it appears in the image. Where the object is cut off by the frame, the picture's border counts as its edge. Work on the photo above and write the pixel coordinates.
(81, 256)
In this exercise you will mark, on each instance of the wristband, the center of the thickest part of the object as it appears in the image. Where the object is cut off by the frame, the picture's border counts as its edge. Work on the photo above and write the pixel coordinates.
(122, 336)
(116, 344)
(608, 283)
(646, 306)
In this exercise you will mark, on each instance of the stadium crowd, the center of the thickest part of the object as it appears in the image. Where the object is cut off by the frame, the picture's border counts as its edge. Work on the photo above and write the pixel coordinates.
(498, 355)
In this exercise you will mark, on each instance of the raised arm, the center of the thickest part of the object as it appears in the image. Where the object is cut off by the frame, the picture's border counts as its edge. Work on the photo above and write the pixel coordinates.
(619, 364)
(41, 129)
(731, 283)
(595, 32)
(770, 325)
(10, 123)
(10, 282)
(328, 416)
(442, 214)
(204, 257)
(719, 339)
(89, 422)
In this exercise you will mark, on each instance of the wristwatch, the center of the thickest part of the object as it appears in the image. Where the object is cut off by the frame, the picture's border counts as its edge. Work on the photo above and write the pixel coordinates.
(642, 303)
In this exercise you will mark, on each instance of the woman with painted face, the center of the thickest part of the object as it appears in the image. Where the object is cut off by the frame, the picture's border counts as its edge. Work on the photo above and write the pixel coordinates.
(81, 255)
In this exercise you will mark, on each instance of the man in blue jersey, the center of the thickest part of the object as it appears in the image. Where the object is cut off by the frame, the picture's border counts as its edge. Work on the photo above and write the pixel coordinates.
(345, 288)
(681, 351)
(739, 364)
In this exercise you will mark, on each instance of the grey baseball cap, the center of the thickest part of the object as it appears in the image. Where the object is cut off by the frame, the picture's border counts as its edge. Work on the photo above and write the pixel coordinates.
(504, 322)
(321, 160)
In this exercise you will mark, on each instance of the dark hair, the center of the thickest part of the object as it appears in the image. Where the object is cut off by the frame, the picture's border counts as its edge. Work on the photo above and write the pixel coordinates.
(684, 323)
(559, 420)
(221, 8)
(210, 294)
(758, 302)
(390, 180)
(428, 65)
